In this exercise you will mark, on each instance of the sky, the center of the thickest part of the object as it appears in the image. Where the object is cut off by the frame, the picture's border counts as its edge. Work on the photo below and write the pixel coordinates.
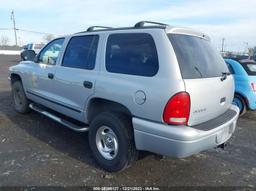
(234, 20)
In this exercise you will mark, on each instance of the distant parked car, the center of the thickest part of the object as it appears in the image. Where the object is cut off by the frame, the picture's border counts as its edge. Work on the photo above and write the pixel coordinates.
(244, 72)
(27, 54)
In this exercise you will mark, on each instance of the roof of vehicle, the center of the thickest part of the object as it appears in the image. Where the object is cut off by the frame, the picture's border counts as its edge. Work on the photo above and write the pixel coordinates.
(152, 25)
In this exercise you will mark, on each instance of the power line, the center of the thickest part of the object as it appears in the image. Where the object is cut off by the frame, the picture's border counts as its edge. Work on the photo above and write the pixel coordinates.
(5, 28)
(16, 29)
(24, 30)
(33, 31)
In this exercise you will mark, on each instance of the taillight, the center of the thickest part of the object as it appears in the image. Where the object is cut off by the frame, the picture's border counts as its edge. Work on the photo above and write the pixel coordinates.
(253, 86)
(177, 109)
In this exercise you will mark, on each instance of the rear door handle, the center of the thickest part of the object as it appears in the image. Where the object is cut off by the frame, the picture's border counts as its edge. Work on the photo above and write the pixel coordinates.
(87, 84)
(50, 75)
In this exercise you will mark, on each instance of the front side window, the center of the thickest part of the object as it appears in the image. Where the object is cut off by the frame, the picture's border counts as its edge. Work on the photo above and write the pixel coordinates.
(51, 52)
(81, 52)
(133, 54)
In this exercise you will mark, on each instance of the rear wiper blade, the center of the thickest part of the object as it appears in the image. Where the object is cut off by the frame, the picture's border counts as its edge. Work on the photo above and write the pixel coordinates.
(196, 68)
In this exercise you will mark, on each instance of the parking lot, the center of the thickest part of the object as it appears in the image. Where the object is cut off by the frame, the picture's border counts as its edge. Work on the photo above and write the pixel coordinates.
(35, 151)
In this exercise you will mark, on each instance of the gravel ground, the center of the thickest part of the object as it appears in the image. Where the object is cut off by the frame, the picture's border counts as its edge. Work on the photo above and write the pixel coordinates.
(35, 151)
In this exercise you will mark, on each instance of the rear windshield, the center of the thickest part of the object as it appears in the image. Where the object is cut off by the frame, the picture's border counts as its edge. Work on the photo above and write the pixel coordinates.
(196, 56)
(250, 68)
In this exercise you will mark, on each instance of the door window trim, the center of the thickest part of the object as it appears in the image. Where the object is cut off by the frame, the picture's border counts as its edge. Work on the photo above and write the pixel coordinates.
(132, 33)
(38, 55)
(97, 50)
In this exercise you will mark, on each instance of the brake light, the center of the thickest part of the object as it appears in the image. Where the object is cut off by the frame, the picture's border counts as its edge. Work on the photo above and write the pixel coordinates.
(253, 86)
(177, 109)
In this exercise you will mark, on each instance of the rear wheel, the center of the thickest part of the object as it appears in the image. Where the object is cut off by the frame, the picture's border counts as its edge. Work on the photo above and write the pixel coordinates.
(111, 141)
(21, 102)
(240, 103)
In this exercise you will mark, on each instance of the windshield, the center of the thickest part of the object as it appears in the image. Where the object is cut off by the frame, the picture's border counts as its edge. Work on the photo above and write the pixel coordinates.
(196, 56)
(250, 68)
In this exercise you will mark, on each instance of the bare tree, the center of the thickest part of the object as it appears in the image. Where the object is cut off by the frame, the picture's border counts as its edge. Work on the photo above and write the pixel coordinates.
(48, 37)
(5, 40)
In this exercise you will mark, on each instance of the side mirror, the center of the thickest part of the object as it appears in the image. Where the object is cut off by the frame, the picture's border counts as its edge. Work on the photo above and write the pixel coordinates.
(28, 55)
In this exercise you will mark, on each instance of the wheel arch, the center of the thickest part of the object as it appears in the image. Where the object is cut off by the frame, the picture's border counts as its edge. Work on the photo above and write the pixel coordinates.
(15, 77)
(244, 99)
(97, 105)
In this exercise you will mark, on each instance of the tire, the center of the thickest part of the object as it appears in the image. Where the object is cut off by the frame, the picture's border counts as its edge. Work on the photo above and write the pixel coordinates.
(119, 128)
(21, 103)
(240, 103)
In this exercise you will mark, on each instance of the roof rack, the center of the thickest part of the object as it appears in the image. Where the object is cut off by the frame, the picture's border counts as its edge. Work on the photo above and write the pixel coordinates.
(142, 24)
(100, 27)
(138, 25)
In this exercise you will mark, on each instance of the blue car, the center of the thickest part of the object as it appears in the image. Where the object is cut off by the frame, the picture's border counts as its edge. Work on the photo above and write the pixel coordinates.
(244, 73)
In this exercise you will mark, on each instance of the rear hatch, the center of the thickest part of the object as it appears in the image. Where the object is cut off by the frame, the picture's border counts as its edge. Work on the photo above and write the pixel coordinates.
(205, 76)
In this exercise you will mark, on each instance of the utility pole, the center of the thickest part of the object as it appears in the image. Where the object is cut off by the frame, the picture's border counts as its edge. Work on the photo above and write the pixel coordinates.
(14, 27)
(222, 44)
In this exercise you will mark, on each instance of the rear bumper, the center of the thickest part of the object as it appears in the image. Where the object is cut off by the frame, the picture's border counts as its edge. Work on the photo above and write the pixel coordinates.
(182, 141)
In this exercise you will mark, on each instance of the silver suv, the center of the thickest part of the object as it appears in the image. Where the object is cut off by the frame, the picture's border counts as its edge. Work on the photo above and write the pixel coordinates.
(150, 87)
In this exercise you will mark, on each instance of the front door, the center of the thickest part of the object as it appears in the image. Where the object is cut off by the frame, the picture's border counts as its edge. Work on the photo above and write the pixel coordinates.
(42, 90)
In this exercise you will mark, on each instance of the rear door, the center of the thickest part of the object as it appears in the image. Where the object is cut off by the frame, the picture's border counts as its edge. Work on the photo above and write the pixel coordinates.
(205, 77)
(75, 76)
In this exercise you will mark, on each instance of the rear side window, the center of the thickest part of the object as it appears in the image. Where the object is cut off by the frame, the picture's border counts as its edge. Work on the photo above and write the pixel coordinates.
(81, 52)
(133, 54)
(196, 57)
(250, 68)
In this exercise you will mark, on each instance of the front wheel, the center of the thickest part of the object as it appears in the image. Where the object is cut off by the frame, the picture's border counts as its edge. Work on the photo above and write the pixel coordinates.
(21, 102)
(111, 141)
(240, 103)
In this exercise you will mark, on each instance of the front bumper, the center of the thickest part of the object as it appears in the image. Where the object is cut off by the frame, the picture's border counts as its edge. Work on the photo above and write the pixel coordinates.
(182, 141)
